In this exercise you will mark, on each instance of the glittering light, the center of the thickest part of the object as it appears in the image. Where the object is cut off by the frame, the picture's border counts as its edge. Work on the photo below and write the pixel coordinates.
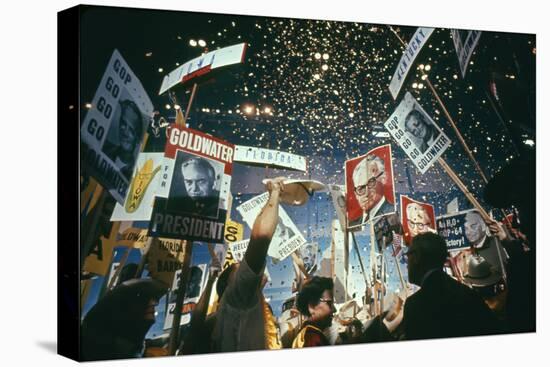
(177, 106)
(415, 85)
(267, 110)
(167, 106)
(324, 67)
(529, 142)
(192, 43)
(325, 56)
(202, 43)
(88, 105)
(248, 109)
(427, 67)
(161, 70)
(148, 54)
(317, 56)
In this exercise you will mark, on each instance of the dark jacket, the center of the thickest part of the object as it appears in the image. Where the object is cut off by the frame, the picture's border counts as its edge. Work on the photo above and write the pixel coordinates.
(445, 308)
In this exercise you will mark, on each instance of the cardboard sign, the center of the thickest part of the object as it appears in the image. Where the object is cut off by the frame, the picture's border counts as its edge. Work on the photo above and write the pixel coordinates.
(452, 229)
(286, 239)
(97, 262)
(385, 229)
(465, 42)
(238, 249)
(197, 280)
(203, 64)
(114, 126)
(138, 204)
(193, 194)
(269, 157)
(416, 43)
(417, 133)
(370, 191)
(417, 217)
(165, 258)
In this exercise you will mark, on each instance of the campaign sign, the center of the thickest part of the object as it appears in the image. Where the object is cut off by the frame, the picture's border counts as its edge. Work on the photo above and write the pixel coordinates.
(269, 157)
(465, 42)
(417, 217)
(418, 135)
(286, 239)
(113, 128)
(452, 228)
(370, 191)
(193, 193)
(138, 204)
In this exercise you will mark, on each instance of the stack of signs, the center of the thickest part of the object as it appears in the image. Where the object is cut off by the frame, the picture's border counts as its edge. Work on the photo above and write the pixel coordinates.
(193, 194)
(417, 217)
(418, 135)
(269, 157)
(465, 42)
(114, 126)
(370, 190)
(197, 280)
(286, 239)
(138, 204)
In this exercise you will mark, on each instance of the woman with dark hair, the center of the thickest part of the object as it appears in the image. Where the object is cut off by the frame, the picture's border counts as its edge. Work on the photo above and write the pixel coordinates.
(315, 301)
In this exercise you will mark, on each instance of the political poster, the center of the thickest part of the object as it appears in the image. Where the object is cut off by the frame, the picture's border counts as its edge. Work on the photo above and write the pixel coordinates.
(269, 157)
(113, 128)
(385, 228)
(412, 50)
(138, 204)
(99, 259)
(465, 42)
(309, 254)
(194, 189)
(234, 232)
(133, 237)
(197, 280)
(417, 217)
(338, 195)
(416, 133)
(286, 239)
(370, 191)
(452, 228)
(165, 258)
(203, 65)
(238, 249)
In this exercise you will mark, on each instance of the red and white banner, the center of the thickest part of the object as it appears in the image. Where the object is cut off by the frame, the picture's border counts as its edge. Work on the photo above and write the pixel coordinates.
(417, 217)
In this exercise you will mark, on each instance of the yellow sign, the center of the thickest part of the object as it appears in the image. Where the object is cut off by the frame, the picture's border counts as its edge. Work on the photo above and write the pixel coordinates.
(133, 237)
(99, 259)
(139, 185)
(165, 257)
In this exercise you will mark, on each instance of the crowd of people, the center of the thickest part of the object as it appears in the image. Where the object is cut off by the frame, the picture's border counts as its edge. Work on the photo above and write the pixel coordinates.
(485, 300)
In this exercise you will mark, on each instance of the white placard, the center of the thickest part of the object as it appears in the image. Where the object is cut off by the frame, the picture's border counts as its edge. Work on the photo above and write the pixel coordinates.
(270, 158)
(203, 64)
(407, 60)
(418, 135)
(286, 239)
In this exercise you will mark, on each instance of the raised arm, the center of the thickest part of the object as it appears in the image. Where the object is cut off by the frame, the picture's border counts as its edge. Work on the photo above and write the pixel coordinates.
(264, 227)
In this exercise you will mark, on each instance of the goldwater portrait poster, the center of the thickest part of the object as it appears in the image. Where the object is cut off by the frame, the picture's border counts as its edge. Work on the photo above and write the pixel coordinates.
(416, 133)
(114, 126)
(370, 189)
(193, 193)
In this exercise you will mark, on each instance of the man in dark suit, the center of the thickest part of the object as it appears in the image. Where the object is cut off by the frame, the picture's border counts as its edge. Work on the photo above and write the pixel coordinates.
(369, 179)
(442, 307)
(200, 196)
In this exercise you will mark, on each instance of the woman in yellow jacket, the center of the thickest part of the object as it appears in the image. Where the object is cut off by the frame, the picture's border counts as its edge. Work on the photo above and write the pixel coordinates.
(315, 301)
